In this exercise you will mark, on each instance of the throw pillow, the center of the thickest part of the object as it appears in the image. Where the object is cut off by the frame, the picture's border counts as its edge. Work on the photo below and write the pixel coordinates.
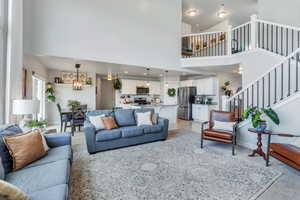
(25, 148)
(224, 126)
(154, 118)
(11, 192)
(46, 147)
(109, 123)
(144, 118)
(97, 121)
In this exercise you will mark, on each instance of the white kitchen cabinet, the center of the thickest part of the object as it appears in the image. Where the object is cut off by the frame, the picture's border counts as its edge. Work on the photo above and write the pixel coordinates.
(186, 83)
(129, 86)
(207, 86)
(154, 88)
(200, 112)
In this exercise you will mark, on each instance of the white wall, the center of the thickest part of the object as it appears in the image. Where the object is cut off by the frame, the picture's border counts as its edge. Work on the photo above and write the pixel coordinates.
(14, 57)
(284, 12)
(173, 82)
(64, 93)
(134, 32)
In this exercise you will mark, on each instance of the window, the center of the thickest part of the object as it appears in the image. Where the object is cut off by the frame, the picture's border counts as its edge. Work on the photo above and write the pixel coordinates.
(38, 93)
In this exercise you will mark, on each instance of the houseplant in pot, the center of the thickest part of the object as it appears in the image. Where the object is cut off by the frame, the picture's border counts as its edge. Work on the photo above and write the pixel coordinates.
(256, 117)
(72, 103)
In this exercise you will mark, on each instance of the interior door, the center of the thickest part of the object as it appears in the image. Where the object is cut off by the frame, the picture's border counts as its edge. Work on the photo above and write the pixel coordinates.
(108, 94)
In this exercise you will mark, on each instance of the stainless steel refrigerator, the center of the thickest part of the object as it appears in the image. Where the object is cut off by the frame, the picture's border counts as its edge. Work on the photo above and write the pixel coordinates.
(186, 97)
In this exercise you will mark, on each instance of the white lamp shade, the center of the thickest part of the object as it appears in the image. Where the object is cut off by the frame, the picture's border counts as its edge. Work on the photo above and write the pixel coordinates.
(26, 107)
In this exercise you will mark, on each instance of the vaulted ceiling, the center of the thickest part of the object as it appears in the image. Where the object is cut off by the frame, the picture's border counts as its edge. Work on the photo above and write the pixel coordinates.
(239, 12)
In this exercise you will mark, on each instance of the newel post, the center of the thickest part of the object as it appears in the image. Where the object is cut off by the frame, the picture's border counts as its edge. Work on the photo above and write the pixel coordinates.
(253, 32)
(229, 39)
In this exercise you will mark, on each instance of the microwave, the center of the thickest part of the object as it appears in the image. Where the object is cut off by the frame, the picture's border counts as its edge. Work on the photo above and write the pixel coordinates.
(142, 90)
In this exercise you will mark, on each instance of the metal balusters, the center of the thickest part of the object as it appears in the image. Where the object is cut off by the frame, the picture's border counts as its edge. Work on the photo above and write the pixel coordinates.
(289, 78)
(287, 42)
(297, 72)
(275, 84)
(257, 93)
(238, 108)
(268, 37)
(277, 39)
(281, 37)
(263, 35)
(249, 27)
(263, 92)
(272, 39)
(258, 36)
(247, 98)
(292, 40)
(269, 89)
(281, 82)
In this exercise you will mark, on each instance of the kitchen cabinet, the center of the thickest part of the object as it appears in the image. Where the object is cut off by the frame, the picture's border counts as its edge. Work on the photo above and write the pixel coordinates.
(129, 86)
(154, 88)
(207, 86)
(187, 83)
(200, 112)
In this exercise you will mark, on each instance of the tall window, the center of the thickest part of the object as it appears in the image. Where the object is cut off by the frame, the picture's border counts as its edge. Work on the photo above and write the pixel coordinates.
(3, 36)
(38, 93)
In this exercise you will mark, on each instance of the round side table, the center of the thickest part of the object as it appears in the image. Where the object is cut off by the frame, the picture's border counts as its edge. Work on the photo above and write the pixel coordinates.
(259, 151)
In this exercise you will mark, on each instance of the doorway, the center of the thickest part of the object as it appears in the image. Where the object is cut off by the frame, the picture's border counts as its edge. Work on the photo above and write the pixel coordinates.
(105, 93)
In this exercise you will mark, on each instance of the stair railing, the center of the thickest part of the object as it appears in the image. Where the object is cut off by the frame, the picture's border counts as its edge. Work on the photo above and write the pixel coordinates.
(277, 38)
(272, 87)
(241, 38)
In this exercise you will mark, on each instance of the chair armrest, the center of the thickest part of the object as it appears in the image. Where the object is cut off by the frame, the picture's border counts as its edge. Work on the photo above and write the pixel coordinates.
(285, 135)
(165, 124)
(90, 136)
(203, 124)
(58, 139)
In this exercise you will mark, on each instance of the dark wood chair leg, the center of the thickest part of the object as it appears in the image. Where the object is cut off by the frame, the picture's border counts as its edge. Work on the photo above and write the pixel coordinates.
(233, 148)
(61, 126)
(201, 142)
(65, 126)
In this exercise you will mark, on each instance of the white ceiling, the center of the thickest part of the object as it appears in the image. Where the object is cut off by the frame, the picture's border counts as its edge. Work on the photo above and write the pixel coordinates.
(67, 64)
(240, 11)
(218, 69)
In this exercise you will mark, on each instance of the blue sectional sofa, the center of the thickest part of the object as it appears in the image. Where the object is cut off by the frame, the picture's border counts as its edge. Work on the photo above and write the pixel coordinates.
(128, 132)
(46, 178)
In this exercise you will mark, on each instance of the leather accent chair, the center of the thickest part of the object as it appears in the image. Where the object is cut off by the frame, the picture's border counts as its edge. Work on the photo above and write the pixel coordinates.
(209, 133)
(287, 153)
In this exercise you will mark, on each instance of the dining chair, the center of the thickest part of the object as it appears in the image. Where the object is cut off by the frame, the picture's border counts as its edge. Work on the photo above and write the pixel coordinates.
(78, 117)
(64, 119)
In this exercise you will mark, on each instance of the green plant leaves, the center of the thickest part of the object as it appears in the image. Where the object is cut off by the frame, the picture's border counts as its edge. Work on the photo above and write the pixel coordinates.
(272, 115)
(117, 84)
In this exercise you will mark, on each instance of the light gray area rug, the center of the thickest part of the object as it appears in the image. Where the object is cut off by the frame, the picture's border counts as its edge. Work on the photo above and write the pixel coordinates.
(176, 169)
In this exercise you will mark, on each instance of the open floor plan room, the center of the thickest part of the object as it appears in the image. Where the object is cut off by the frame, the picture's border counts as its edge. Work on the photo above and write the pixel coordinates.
(149, 100)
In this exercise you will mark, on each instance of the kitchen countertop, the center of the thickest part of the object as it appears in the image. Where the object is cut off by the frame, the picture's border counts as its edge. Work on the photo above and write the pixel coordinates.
(154, 105)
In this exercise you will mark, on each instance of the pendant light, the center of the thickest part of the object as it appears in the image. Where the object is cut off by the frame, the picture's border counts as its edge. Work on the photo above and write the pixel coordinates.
(77, 84)
(109, 76)
(148, 73)
(167, 84)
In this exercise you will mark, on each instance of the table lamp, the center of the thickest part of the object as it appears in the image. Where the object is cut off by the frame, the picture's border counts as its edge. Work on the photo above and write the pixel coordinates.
(26, 107)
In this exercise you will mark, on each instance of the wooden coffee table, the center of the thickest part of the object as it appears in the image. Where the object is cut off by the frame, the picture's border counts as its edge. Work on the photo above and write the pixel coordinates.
(259, 149)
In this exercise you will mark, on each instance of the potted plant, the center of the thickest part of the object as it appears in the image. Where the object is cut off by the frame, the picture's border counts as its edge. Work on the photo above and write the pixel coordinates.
(50, 93)
(256, 113)
(226, 89)
(117, 84)
(34, 124)
(72, 103)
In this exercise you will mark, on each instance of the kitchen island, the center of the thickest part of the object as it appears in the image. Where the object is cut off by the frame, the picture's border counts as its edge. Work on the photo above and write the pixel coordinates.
(164, 110)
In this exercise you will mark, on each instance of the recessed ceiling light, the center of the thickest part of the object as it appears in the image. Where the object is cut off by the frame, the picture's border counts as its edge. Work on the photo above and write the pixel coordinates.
(126, 72)
(145, 73)
(161, 75)
(222, 12)
(192, 12)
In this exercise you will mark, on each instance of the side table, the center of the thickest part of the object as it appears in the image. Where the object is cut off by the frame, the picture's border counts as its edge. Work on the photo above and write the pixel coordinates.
(259, 149)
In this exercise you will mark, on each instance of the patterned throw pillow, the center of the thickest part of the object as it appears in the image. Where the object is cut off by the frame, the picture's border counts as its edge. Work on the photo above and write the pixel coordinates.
(97, 121)
(144, 118)
(11, 192)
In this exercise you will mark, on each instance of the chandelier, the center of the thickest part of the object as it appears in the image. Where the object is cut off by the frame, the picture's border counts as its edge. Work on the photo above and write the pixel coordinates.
(77, 84)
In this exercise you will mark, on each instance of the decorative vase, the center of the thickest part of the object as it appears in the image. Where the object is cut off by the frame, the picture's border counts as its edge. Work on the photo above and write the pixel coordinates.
(261, 126)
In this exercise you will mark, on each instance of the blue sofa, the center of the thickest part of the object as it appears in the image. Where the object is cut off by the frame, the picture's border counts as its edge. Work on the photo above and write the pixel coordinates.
(128, 132)
(46, 178)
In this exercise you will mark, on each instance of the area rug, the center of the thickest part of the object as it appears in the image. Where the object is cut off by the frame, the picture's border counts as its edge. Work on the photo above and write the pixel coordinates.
(175, 169)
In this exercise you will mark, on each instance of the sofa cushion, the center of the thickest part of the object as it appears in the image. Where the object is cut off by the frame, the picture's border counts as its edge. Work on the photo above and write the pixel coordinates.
(7, 130)
(99, 112)
(107, 135)
(125, 117)
(148, 129)
(54, 154)
(132, 131)
(40, 177)
(288, 151)
(143, 110)
(58, 192)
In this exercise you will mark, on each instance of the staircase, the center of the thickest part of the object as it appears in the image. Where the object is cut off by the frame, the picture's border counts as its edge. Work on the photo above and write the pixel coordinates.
(274, 86)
